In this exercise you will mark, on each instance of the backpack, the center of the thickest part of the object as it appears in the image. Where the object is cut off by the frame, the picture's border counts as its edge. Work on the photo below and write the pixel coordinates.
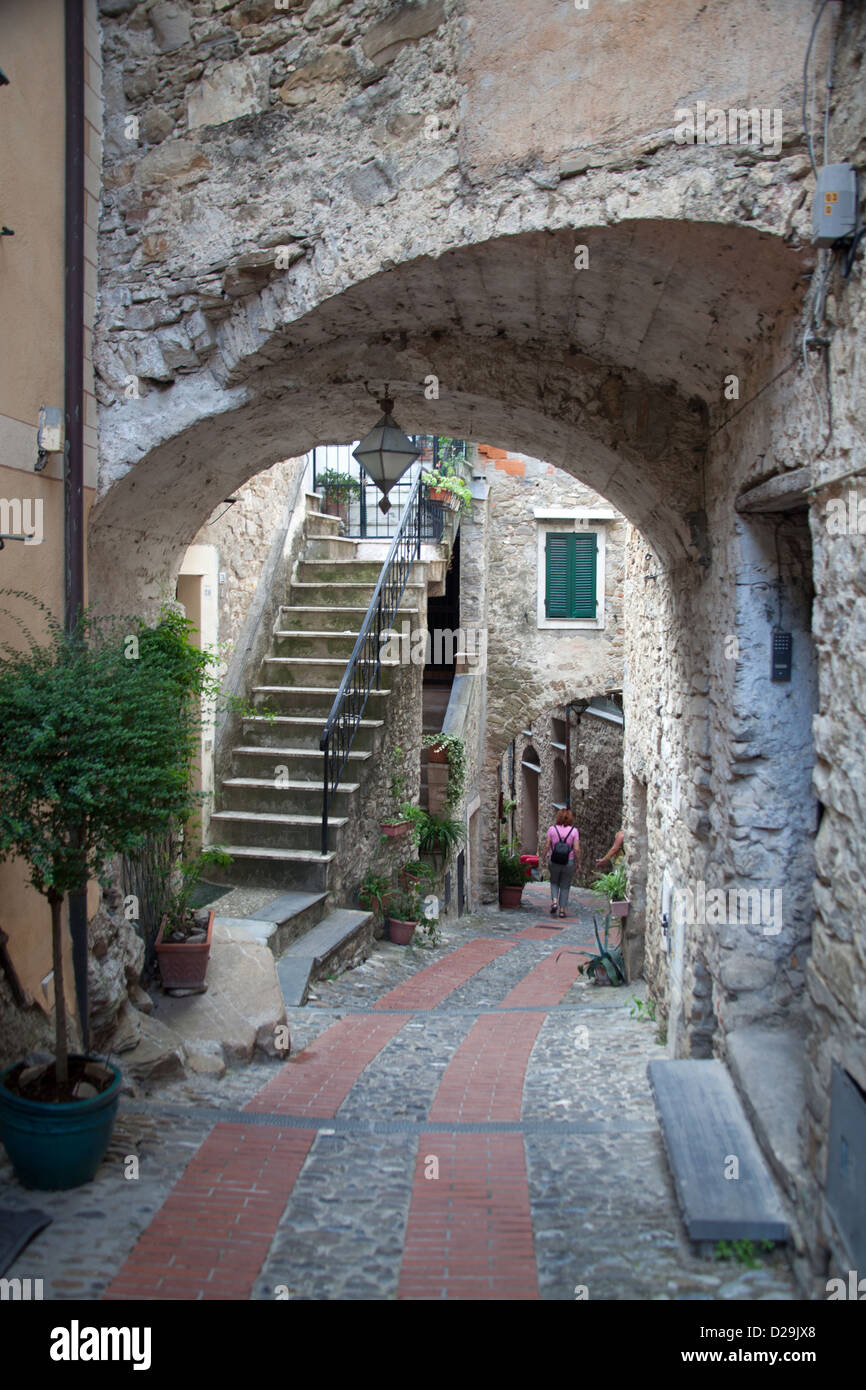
(561, 850)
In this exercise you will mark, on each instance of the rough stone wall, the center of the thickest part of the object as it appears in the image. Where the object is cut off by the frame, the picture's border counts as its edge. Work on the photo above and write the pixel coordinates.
(196, 305)
(597, 745)
(362, 845)
(732, 791)
(244, 534)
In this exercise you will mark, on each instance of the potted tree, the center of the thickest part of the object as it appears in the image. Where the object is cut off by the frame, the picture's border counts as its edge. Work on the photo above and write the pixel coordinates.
(338, 490)
(184, 940)
(614, 887)
(96, 746)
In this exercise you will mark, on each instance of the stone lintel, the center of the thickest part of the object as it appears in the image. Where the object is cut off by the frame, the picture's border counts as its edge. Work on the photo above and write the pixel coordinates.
(783, 493)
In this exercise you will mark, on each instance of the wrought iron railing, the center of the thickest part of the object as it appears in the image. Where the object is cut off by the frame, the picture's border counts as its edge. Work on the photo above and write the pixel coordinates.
(362, 515)
(422, 520)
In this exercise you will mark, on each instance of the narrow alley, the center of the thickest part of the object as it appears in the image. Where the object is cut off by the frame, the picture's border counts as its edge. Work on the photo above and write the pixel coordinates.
(465, 1124)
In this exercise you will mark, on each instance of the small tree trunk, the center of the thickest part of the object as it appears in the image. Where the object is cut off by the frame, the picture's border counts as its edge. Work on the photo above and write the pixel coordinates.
(61, 1042)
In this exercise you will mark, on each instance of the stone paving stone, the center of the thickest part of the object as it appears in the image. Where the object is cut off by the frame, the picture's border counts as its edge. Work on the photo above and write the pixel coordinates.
(342, 1233)
(402, 1080)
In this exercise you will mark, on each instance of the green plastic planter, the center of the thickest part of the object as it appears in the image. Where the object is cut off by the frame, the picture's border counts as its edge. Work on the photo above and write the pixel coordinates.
(57, 1146)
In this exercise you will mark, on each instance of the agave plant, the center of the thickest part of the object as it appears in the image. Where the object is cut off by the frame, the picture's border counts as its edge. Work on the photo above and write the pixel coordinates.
(609, 958)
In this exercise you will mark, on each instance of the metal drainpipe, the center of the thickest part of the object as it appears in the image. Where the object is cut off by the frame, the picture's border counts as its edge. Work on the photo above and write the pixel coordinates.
(74, 407)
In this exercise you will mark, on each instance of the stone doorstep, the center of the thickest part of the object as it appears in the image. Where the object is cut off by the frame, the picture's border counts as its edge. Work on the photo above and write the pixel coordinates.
(281, 921)
(343, 934)
(703, 1124)
(768, 1067)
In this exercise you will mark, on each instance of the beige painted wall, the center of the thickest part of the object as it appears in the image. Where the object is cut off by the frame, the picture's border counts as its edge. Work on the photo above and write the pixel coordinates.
(32, 150)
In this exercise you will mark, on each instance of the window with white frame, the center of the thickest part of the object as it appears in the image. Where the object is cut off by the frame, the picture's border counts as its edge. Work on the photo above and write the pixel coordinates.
(571, 546)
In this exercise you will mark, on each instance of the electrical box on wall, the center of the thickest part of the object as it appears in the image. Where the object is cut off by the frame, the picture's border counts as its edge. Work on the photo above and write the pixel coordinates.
(834, 211)
(782, 655)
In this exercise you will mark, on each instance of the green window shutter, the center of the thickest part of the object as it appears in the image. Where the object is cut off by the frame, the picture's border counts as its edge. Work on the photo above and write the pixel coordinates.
(583, 586)
(558, 555)
(570, 566)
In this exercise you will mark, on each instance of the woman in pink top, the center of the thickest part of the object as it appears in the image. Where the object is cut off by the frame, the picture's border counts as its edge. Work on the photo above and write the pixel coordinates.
(564, 832)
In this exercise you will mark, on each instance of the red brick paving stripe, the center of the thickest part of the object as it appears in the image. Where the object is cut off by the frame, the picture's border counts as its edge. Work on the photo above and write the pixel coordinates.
(212, 1234)
(469, 1233)
(540, 932)
(431, 985)
(547, 982)
(320, 1078)
(484, 1079)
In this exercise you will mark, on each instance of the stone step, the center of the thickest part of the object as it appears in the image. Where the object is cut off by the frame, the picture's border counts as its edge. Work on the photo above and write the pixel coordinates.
(277, 829)
(342, 937)
(281, 921)
(312, 672)
(332, 570)
(347, 594)
(296, 798)
(308, 700)
(329, 548)
(319, 646)
(301, 869)
(304, 732)
(322, 618)
(704, 1127)
(318, 523)
(304, 764)
(343, 619)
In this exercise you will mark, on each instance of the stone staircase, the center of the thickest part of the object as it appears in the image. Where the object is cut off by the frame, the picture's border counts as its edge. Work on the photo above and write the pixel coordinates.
(270, 809)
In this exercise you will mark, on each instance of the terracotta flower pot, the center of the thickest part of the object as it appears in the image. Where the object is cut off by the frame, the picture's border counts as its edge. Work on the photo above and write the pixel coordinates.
(183, 964)
(620, 909)
(510, 895)
(440, 495)
(395, 830)
(399, 931)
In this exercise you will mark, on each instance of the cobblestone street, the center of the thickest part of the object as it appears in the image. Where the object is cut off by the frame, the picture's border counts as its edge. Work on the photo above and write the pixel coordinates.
(470, 1122)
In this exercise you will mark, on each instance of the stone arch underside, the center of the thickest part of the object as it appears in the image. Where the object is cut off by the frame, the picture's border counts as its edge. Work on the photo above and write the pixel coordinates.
(613, 373)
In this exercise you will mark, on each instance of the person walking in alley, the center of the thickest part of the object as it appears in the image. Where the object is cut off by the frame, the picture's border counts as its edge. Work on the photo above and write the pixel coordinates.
(563, 854)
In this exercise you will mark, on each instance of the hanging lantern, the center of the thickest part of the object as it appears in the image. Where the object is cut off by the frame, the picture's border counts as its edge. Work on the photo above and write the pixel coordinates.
(386, 453)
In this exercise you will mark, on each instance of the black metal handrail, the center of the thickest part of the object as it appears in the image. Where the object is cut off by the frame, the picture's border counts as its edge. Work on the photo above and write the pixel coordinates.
(422, 520)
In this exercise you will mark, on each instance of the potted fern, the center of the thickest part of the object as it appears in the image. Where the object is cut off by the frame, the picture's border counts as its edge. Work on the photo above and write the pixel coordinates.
(96, 745)
(614, 887)
(184, 940)
(512, 874)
